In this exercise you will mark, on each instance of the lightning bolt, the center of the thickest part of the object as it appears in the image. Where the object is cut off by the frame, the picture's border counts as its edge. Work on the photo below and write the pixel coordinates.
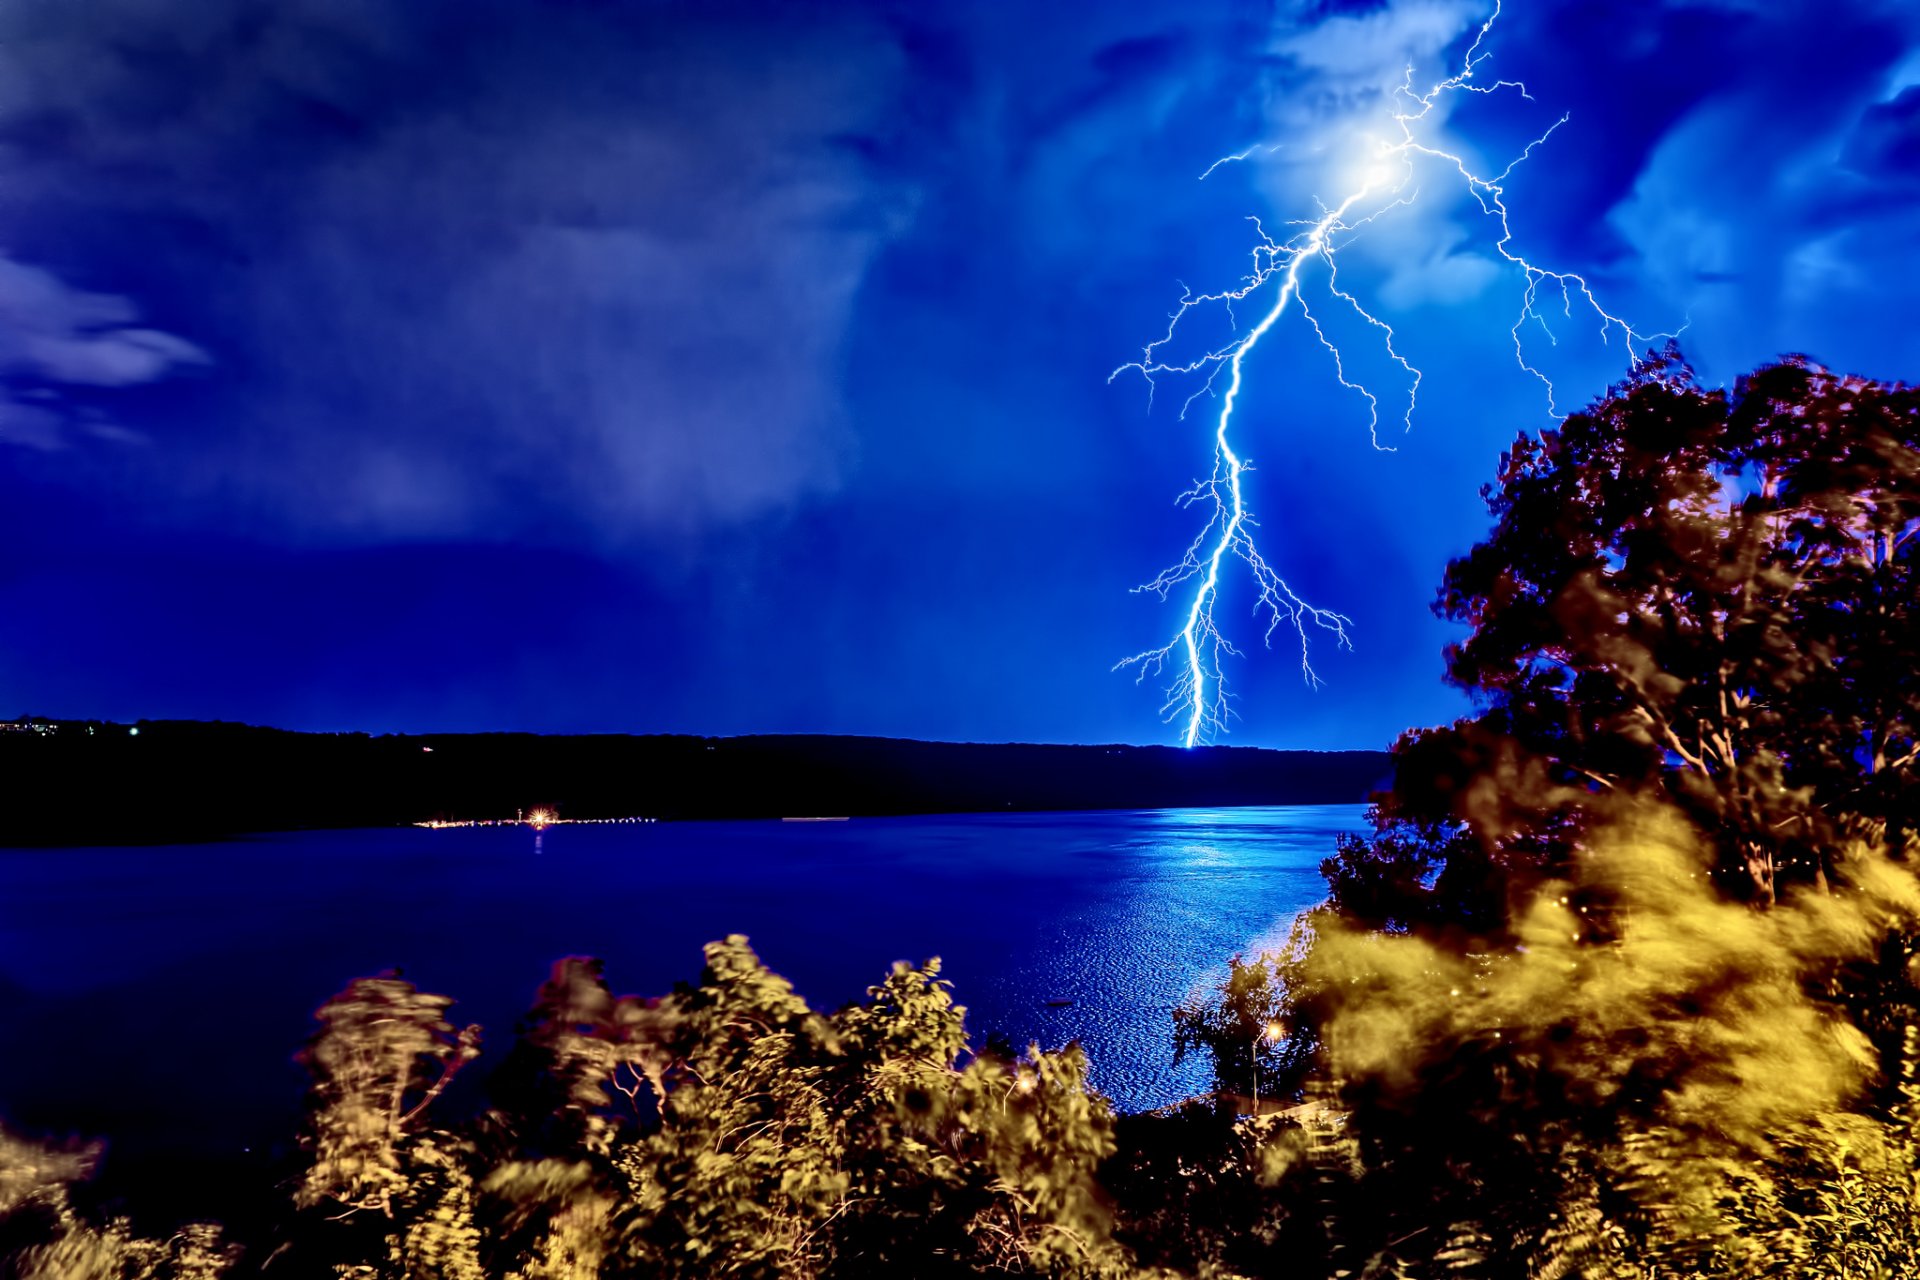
(1197, 696)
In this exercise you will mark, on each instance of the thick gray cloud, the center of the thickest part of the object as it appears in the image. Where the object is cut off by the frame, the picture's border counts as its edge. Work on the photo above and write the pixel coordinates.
(1784, 202)
(1705, 175)
(1334, 85)
(1886, 143)
(54, 340)
(481, 265)
(1355, 57)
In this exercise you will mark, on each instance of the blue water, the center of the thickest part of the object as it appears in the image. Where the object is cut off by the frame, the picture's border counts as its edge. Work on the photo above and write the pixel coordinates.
(157, 995)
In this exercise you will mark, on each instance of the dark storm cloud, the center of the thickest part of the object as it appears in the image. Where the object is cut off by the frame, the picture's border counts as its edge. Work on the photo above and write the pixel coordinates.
(1738, 167)
(476, 264)
(58, 344)
(1886, 143)
(1777, 202)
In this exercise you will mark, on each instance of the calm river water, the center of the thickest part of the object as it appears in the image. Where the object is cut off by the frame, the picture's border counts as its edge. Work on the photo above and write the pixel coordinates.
(156, 995)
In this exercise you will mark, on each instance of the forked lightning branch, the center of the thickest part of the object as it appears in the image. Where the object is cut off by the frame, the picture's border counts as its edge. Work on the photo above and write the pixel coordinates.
(1193, 660)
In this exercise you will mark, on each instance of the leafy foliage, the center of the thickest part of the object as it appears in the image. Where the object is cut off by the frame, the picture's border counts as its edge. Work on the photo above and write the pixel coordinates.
(1644, 1055)
(47, 1239)
(723, 1129)
(1705, 598)
(783, 1142)
(1244, 1026)
(1621, 985)
(382, 1054)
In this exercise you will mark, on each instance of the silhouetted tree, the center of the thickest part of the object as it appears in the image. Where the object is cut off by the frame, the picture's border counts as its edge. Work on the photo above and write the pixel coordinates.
(1701, 597)
(1603, 992)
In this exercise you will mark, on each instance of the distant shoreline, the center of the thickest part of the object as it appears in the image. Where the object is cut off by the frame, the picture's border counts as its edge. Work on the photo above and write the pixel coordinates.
(160, 782)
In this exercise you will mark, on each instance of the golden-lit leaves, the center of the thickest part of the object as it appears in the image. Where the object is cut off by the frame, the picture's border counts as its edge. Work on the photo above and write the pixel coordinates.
(1695, 1006)
(1643, 1078)
(788, 1143)
(382, 1054)
(34, 1184)
(33, 1174)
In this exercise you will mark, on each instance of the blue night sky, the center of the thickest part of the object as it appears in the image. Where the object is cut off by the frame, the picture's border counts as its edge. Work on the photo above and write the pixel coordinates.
(733, 367)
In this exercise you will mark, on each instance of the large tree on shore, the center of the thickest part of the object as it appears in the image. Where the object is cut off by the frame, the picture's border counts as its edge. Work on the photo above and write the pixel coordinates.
(1555, 999)
(1705, 597)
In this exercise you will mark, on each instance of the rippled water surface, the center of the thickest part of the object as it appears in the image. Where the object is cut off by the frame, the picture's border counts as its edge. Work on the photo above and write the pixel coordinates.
(158, 994)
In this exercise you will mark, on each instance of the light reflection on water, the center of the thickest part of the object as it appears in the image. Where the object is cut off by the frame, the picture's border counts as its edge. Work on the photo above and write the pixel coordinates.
(211, 958)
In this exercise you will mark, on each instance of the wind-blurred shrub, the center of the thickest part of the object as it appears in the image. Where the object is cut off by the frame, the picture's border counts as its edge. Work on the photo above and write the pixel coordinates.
(1641, 1074)
(1645, 1079)
(725, 1129)
(43, 1236)
(383, 1053)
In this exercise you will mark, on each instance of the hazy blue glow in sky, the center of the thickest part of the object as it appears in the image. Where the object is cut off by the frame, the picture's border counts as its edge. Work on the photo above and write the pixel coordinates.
(739, 367)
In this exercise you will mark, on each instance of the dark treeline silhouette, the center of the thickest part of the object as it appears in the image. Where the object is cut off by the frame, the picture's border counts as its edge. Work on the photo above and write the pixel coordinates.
(81, 782)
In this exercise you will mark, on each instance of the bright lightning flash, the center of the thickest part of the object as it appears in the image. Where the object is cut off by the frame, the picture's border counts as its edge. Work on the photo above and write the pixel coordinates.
(1197, 695)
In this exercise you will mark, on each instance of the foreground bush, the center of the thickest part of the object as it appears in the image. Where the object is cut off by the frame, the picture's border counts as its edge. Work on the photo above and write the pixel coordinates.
(725, 1129)
(1649, 1080)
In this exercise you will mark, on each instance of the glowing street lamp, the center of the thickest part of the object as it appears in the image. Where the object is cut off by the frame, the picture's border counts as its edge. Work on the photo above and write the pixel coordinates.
(1272, 1034)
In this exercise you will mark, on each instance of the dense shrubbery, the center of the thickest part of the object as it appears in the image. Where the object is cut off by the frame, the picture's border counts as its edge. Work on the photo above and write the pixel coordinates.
(723, 1129)
(1620, 987)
